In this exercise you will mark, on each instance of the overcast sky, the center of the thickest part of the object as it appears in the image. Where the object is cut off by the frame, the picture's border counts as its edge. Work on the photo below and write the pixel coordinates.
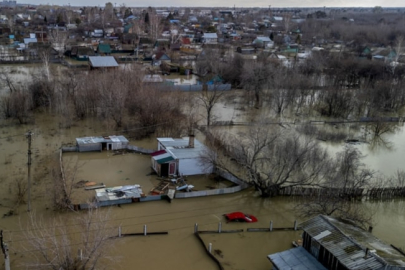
(225, 3)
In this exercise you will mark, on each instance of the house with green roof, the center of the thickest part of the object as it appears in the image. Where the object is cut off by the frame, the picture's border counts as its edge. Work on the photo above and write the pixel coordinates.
(103, 49)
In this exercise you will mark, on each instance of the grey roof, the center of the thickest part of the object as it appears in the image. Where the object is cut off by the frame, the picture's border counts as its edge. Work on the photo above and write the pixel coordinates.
(264, 39)
(178, 147)
(100, 139)
(30, 40)
(348, 244)
(295, 259)
(103, 61)
(210, 35)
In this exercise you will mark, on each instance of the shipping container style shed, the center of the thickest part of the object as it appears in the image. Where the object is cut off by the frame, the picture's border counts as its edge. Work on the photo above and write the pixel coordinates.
(88, 144)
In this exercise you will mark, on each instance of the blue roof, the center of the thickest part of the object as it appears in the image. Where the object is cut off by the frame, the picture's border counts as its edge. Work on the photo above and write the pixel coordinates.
(295, 259)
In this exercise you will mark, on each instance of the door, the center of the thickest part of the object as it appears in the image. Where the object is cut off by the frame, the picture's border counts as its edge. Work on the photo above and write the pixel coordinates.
(172, 168)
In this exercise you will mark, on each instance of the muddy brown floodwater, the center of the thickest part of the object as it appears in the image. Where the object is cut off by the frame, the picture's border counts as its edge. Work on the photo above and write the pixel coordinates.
(179, 249)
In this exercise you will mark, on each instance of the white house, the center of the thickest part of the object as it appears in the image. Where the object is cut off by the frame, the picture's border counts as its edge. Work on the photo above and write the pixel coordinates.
(179, 156)
(210, 38)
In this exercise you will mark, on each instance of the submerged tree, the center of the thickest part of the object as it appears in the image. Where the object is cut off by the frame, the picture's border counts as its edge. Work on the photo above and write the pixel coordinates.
(84, 245)
(208, 99)
(276, 160)
(340, 189)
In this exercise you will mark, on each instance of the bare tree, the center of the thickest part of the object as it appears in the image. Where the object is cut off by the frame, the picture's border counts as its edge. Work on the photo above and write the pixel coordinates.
(64, 176)
(58, 40)
(16, 105)
(208, 99)
(276, 160)
(344, 182)
(256, 79)
(56, 245)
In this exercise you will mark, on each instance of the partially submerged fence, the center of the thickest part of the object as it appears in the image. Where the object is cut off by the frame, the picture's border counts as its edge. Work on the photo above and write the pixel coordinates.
(137, 149)
(241, 185)
(130, 148)
(372, 193)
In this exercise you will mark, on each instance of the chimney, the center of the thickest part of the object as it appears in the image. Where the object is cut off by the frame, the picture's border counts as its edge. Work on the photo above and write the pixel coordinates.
(191, 139)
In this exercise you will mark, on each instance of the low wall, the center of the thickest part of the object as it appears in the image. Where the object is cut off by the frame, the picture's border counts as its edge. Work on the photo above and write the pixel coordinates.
(69, 149)
(199, 87)
(241, 185)
(140, 149)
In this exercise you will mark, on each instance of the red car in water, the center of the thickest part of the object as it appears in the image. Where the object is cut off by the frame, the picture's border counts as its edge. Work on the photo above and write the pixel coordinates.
(241, 217)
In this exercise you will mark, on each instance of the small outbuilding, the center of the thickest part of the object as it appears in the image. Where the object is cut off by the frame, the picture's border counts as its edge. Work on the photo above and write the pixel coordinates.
(89, 144)
(179, 156)
(102, 62)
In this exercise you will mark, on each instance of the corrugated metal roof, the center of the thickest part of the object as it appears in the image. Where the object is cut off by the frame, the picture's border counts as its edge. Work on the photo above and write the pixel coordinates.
(295, 259)
(99, 139)
(178, 147)
(348, 244)
(103, 61)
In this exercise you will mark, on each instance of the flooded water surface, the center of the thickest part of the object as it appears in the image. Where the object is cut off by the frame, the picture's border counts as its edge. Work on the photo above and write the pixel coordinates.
(179, 249)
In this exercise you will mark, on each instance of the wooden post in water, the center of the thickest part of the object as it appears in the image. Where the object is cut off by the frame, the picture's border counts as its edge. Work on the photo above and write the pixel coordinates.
(4, 249)
(295, 225)
(80, 254)
(196, 228)
(144, 230)
(119, 231)
(29, 136)
(209, 247)
(271, 225)
(219, 227)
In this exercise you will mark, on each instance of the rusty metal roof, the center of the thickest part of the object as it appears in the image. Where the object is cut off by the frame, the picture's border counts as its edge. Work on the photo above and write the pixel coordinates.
(348, 244)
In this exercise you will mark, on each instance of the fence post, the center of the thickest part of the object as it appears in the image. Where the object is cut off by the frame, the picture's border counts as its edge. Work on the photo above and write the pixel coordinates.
(119, 231)
(196, 228)
(80, 254)
(6, 257)
(209, 247)
(144, 230)
(4, 249)
(219, 227)
(271, 225)
(295, 225)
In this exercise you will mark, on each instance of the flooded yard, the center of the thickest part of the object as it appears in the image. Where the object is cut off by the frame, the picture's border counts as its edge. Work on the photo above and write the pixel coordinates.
(179, 249)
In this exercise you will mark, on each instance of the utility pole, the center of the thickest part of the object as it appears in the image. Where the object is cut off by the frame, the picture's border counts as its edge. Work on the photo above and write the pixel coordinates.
(29, 137)
(4, 249)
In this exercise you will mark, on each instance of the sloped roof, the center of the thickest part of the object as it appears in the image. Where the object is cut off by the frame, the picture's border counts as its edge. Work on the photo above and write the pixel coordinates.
(103, 61)
(210, 35)
(162, 156)
(295, 259)
(161, 56)
(348, 244)
(104, 48)
(264, 39)
(178, 147)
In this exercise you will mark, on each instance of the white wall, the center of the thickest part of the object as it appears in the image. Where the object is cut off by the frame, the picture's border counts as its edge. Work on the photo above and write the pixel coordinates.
(192, 167)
